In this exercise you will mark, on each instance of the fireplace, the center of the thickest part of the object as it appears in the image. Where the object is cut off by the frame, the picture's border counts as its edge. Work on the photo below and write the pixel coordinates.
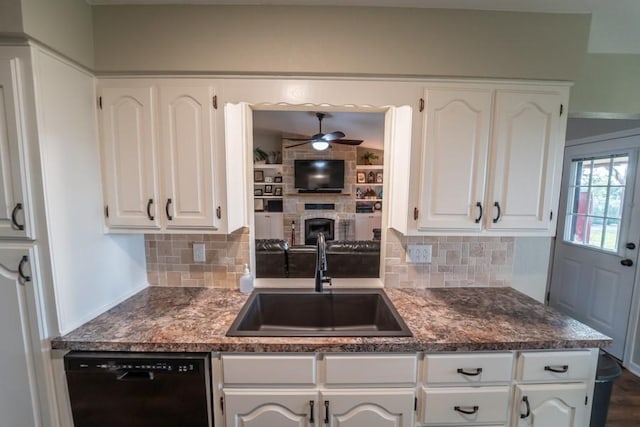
(313, 226)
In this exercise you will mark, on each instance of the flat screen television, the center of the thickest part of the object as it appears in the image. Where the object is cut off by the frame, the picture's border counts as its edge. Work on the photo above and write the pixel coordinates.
(319, 175)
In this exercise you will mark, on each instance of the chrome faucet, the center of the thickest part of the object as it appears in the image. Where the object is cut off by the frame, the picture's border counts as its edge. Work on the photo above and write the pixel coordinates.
(321, 263)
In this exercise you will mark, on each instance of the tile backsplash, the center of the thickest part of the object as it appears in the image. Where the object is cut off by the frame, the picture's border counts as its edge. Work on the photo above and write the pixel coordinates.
(456, 261)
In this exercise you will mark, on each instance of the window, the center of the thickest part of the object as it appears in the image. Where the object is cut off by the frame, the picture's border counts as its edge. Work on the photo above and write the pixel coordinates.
(595, 201)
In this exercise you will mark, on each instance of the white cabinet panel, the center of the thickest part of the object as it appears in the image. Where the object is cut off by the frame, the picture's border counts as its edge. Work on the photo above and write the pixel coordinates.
(468, 368)
(465, 405)
(269, 369)
(186, 149)
(18, 323)
(14, 214)
(557, 405)
(456, 135)
(368, 407)
(525, 158)
(270, 408)
(129, 151)
(555, 365)
(374, 369)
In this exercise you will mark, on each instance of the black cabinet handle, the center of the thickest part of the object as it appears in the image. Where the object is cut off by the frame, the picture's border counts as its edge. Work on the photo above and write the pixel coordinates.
(23, 277)
(415, 214)
(561, 370)
(166, 209)
(476, 372)
(326, 412)
(14, 219)
(479, 206)
(630, 245)
(497, 218)
(525, 399)
(626, 262)
(149, 203)
(311, 411)
(471, 411)
(219, 212)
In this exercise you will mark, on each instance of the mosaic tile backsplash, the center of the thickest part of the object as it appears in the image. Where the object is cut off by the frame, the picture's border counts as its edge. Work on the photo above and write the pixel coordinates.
(456, 261)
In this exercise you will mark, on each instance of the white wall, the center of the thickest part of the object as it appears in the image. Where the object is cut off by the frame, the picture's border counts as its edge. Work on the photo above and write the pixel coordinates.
(91, 271)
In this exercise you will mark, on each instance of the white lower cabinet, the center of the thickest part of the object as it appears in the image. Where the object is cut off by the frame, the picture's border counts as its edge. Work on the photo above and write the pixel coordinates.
(270, 408)
(368, 407)
(488, 389)
(557, 405)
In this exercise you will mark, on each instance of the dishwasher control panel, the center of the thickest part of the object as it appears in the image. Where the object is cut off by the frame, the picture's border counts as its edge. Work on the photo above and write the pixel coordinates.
(157, 363)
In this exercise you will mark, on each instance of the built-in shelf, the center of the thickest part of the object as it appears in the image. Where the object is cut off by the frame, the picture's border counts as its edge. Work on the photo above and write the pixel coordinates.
(369, 184)
(268, 166)
(318, 194)
(369, 167)
(267, 196)
(369, 200)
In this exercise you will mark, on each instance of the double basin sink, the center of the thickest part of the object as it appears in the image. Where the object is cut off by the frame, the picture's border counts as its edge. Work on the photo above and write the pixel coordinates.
(305, 313)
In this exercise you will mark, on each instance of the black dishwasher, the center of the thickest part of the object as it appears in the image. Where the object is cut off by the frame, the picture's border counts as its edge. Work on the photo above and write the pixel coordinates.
(139, 389)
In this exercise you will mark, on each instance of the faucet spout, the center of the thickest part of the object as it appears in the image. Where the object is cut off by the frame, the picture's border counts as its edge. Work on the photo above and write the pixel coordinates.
(321, 263)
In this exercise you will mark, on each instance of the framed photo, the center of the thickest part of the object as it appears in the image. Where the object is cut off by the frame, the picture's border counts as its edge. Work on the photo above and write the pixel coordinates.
(268, 179)
(257, 191)
(278, 191)
(268, 189)
(277, 178)
(361, 177)
(379, 177)
(258, 176)
(258, 204)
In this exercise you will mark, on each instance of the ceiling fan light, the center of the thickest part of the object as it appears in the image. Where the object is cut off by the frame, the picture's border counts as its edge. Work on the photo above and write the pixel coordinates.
(320, 145)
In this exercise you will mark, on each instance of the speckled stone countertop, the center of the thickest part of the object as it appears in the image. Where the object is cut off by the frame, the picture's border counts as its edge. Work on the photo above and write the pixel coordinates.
(454, 319)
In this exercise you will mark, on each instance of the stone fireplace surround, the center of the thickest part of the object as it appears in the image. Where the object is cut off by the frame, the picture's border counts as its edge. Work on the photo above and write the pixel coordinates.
(311, 224)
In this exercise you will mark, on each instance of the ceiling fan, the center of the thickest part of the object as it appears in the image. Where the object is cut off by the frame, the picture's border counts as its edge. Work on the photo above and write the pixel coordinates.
(320, 141)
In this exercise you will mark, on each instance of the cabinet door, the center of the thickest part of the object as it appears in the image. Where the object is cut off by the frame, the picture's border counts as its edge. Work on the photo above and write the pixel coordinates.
(366, 407)
(269, 225)
(270, 408)
(128, 146)
(527, 148)
(14, 221)
(456, 137)
(365, 223)
(557, 405)
(186, 149)
(18, 324)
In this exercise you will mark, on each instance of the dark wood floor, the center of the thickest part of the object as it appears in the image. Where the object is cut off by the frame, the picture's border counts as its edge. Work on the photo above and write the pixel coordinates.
(624, 408)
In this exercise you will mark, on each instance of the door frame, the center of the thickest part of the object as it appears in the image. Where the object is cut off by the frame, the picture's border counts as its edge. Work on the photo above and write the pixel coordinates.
(618, 141)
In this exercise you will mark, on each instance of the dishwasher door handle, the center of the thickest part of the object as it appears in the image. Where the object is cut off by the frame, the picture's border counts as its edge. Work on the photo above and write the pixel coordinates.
(135, 376)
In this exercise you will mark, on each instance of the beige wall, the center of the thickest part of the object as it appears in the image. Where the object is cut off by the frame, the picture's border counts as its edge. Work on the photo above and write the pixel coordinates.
(608, 83)
(10, 17)
(339, 40)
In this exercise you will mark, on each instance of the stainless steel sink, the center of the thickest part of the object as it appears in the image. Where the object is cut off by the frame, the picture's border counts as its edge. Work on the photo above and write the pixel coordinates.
(334, 313)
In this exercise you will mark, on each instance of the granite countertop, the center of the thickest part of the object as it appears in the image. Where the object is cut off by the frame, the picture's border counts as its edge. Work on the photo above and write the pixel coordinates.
(452, 319)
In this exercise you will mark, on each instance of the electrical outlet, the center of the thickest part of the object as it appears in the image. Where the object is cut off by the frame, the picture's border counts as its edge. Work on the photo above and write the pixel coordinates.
(418, 254)
(198, 252)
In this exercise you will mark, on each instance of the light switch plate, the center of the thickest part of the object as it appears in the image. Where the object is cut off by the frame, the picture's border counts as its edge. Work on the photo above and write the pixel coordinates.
(198, 252)
(418, 254)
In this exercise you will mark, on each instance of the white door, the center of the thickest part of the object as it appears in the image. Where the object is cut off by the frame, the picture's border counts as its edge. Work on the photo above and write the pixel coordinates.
(187, 152)
(18, 324)
(128, 147)
(270, 408)
(547, 405)
(456, 138)
(528, 137)
(370, 408)
(596, 248)
(13, 221)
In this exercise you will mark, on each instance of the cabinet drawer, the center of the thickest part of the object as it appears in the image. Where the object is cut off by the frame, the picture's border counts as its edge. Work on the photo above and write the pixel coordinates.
(374, 369)
(468, 368)
(447, 405)
(555, 365)
(269, 369)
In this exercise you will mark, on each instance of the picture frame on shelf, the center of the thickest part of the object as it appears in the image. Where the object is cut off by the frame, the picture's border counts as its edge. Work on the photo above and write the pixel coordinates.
(258, 205)
(361, 178)
(268, 189)
(257, 191)
(277, 178)
(379, 178)
(268, 179)
(258, 176)
(277, 191)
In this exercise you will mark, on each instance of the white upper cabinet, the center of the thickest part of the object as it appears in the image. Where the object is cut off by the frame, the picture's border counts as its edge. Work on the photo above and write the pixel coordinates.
(186, 149)
(528, 140)
(129, 157)
(491, 158)
(14, 209)
(456, 134)
(160, 156)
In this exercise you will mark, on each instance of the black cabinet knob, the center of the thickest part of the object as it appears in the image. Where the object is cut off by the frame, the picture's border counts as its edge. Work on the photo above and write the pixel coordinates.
(626, 262)
(630, 245)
